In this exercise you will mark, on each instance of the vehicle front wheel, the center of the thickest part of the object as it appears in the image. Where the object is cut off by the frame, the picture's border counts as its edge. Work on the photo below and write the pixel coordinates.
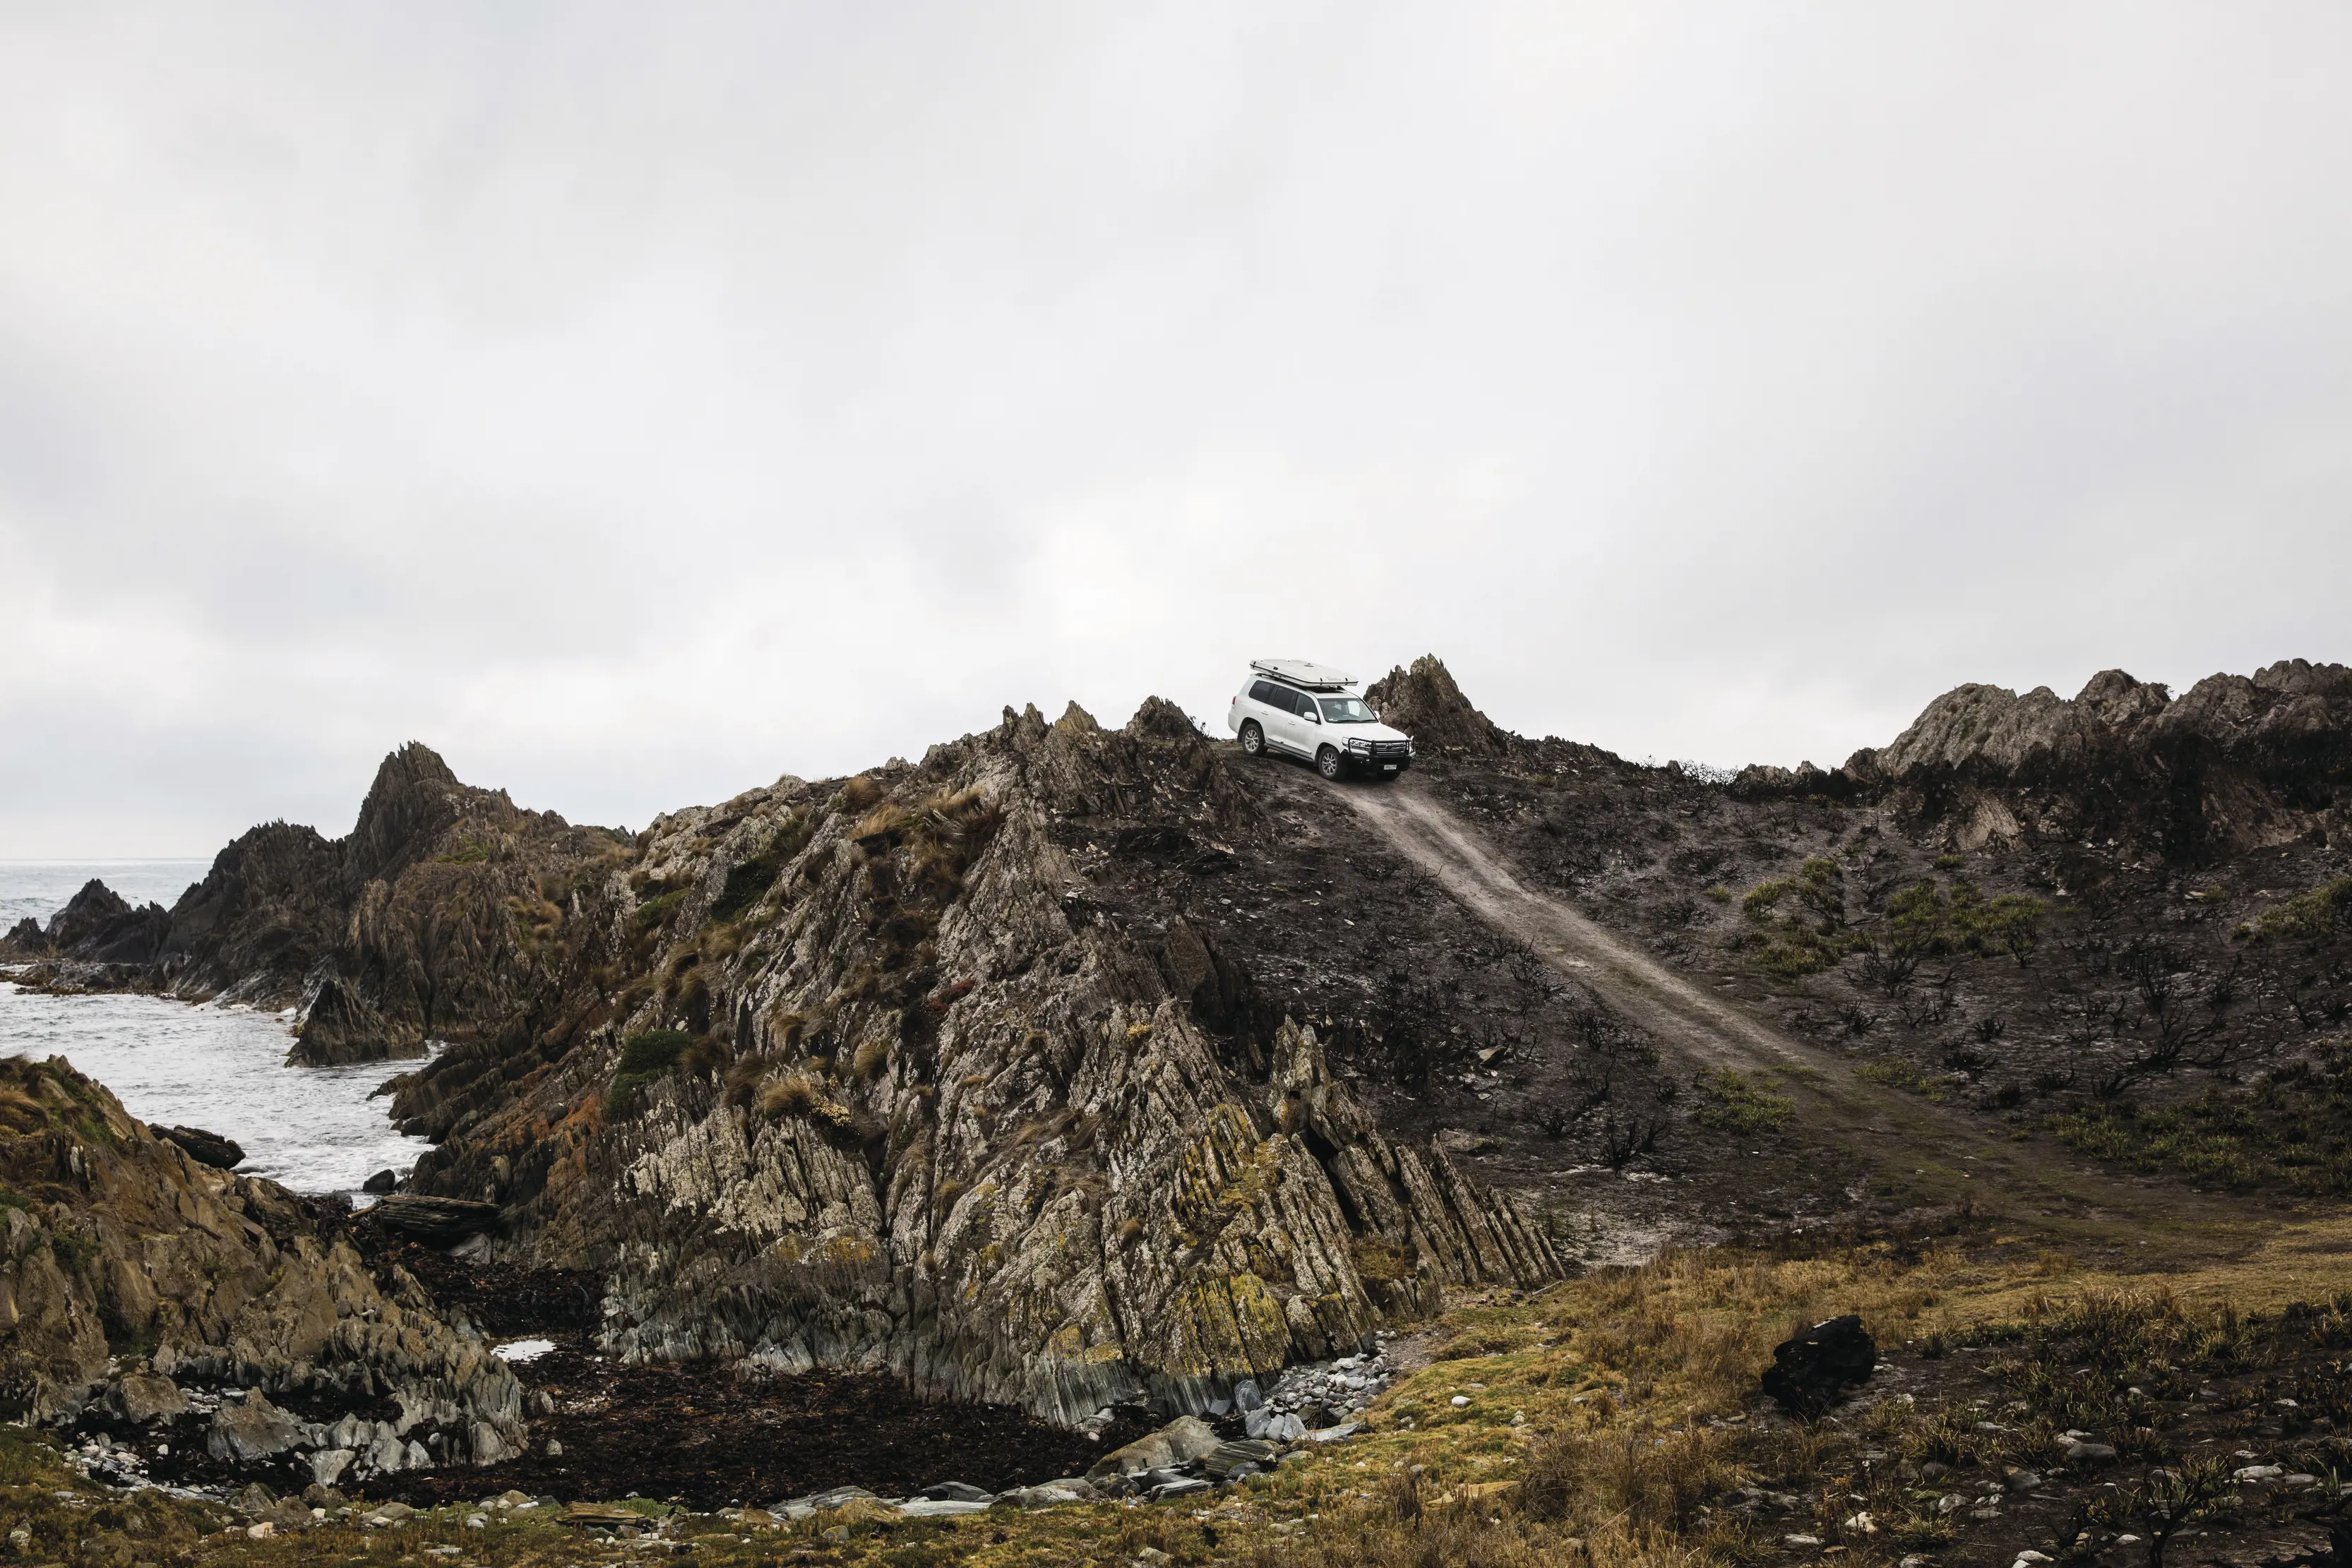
(1253, 739)
(1327, 762)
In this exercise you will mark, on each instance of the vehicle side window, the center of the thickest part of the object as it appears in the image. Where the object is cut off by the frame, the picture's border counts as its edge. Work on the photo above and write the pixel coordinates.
(1266, 691)
(1303, 706)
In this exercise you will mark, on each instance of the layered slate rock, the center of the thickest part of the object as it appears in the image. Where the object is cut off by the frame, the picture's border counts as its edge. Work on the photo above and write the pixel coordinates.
(863, 1074)
(129, 1269)
(340, 1026)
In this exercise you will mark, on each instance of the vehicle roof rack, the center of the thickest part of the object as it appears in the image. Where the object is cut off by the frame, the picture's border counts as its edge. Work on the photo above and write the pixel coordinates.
(1300, 673)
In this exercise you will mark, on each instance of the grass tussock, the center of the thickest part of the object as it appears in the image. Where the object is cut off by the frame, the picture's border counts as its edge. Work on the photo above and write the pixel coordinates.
(1733, 1103)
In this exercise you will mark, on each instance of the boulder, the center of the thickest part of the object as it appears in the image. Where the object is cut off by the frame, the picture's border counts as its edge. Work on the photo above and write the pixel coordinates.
(383, 1182)
(940, 1508)
(1047, 1494)
(435, 1222)
(956, 1492)
(1226, 1458)
(253, 1499)
(251, 1428)
(142, 1396)
(1812, 1371)
(1182, 1441)
(206, 1148)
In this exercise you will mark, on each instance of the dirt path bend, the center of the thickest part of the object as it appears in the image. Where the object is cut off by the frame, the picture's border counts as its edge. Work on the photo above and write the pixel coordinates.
(1919, 1150)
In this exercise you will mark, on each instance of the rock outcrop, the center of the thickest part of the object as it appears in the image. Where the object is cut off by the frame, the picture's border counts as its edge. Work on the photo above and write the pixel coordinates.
(432, 920)
(2237, 763)
(98, 926)
(861, 1074)
(131, 1273)
(1425, 703)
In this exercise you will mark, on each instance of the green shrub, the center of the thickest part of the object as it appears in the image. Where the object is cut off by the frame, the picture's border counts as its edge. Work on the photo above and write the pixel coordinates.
(748, 882)
(1797, 945)
(1818, 887)
(2310, 916)
(655, 911)
(1925, 920)
(1737, 1105)
(644, 1058)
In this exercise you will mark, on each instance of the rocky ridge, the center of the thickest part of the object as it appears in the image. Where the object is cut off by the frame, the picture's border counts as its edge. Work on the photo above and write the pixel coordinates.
(853, 1075)
(2236, 764)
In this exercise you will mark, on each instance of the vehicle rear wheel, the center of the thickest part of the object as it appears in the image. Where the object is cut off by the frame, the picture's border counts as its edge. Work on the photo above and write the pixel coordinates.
(1253, 738)
(1328, 763)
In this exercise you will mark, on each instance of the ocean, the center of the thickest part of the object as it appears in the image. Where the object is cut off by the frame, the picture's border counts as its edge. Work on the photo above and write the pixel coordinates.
(314, 1129)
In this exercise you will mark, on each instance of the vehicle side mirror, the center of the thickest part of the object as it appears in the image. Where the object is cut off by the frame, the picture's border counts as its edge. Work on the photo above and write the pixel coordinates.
(1314, 717)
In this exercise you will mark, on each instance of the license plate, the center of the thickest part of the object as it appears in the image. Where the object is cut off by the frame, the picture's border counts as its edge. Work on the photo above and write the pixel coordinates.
(1387, 768)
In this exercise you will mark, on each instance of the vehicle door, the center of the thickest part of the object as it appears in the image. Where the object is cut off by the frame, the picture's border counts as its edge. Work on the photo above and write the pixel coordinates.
(1305, 724)
(1270, 705)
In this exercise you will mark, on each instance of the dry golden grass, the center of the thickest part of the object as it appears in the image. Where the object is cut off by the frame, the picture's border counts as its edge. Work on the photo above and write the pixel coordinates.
(1603, 1425)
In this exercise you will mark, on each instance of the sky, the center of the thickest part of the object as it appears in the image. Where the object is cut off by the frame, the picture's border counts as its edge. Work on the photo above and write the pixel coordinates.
(639, 403)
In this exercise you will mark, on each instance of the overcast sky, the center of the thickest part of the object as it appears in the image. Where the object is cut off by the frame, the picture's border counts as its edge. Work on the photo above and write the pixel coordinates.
(637, 403)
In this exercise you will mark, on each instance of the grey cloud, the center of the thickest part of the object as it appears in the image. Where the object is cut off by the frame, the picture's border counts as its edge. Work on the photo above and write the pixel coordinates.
(637, 403)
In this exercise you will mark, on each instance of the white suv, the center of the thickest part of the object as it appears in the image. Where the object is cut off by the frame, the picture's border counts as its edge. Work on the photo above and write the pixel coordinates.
(1288, 705)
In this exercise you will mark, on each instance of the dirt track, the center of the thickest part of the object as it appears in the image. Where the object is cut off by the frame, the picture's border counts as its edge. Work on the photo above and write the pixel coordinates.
(1922, 1151)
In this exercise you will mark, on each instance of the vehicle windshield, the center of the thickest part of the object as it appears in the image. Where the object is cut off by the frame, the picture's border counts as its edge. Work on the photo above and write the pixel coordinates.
(1346, 710)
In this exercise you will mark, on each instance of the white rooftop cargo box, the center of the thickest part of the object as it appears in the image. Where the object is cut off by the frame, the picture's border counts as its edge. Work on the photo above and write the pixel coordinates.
(1299, 672)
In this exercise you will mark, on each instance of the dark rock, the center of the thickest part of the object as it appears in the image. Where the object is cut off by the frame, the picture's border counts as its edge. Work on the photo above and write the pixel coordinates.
(1160, 719)
(382, 1182)
(1812, 1372)
(206, 1148)
(1425, 703)
(1247, 1396)
(26, 940)
(435, 1222)
(99, 926)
